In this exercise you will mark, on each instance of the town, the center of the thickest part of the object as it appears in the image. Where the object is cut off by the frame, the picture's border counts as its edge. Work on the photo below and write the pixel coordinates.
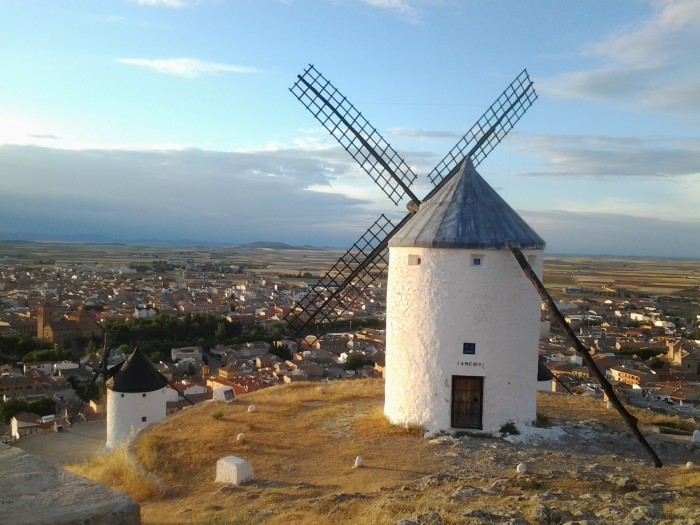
(215, 320)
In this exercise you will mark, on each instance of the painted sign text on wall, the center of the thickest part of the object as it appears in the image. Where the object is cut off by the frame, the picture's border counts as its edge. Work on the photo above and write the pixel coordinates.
(472, 364)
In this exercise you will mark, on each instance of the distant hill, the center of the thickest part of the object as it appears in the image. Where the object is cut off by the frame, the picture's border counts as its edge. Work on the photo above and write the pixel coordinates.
(37, 238)
(277, 246)
(271, 245)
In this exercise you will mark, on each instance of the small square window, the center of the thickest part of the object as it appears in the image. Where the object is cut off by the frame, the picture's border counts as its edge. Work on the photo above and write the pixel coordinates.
(414, 260)
(122, 395)
(469, 348)
(143, 395)
(477, 260)
(143, 419)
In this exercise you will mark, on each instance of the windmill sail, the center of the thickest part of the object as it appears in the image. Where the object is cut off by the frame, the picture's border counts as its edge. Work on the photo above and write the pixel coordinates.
(490, 129)
(359, 138)
(343, 284)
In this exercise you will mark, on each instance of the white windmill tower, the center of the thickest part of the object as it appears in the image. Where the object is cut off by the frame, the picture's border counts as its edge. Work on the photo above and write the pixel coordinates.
(462, 326)
(136, 397)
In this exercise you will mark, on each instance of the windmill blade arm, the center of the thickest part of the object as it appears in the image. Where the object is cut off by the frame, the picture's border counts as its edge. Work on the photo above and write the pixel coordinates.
(93, 380)
(355, 270)
(101, 371)
(355, 134)
(490, 129)
(628, 418)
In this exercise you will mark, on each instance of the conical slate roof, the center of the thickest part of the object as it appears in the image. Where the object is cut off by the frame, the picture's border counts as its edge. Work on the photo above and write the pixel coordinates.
(543, 373)
(467, 213)
(135, 374)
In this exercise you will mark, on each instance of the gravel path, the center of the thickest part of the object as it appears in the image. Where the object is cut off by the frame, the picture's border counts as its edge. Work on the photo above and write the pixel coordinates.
(75, 444)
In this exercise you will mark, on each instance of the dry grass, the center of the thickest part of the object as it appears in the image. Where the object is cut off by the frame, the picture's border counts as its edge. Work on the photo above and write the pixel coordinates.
(114, 469)
(688, 483)
(375, 424)
(302, 441)
(302, 420)
(553, 406)
(686, 479)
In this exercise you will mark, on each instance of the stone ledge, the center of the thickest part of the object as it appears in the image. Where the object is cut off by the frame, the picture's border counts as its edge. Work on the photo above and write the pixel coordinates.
(34, 491)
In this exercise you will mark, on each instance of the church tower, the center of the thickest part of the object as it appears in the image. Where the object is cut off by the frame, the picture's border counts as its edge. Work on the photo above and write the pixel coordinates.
(462, 319)
(44, 314)
(136, 397)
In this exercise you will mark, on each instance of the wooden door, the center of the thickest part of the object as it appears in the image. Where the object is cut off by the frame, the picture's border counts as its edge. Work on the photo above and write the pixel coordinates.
(467, 401)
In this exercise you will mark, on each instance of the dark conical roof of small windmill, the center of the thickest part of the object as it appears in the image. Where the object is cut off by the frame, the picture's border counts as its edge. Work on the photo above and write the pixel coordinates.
(135, 374)
(467, 213)
(543, 373)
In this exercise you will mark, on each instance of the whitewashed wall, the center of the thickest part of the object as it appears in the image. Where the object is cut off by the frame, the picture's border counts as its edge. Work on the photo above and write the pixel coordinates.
(436, 306)
(124, 414)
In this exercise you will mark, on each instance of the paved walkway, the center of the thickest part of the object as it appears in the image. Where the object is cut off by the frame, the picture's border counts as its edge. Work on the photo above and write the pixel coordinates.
(75, 444)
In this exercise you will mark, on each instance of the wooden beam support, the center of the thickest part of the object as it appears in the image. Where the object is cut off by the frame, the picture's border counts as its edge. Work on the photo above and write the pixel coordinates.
(629, 419)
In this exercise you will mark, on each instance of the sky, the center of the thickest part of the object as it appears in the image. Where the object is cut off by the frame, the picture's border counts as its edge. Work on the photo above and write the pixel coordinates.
(172, 120)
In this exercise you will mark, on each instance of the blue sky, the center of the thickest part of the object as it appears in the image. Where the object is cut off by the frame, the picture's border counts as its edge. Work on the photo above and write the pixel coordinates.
(172, 120)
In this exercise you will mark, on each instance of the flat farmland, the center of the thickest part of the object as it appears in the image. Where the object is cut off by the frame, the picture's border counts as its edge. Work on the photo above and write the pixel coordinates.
(260, 260)
(636, 276)
(613, 276)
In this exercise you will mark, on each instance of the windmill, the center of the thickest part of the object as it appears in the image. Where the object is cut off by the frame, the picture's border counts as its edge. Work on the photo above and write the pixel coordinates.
(135, 395)
(432, 390)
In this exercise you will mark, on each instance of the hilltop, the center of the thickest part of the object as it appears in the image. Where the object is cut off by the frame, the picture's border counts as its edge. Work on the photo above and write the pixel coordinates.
(303, 438)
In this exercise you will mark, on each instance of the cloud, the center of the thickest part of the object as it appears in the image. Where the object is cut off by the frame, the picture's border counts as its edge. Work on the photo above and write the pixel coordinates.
(43, 136)
(400, 7)
(180, 195)
(615, 234)
(591, 156)
(600, 84)
(424, 134)
(299, 195)
(186, 67)
(666, 38)
(173, 4)
(651, 65)
(674, 98)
